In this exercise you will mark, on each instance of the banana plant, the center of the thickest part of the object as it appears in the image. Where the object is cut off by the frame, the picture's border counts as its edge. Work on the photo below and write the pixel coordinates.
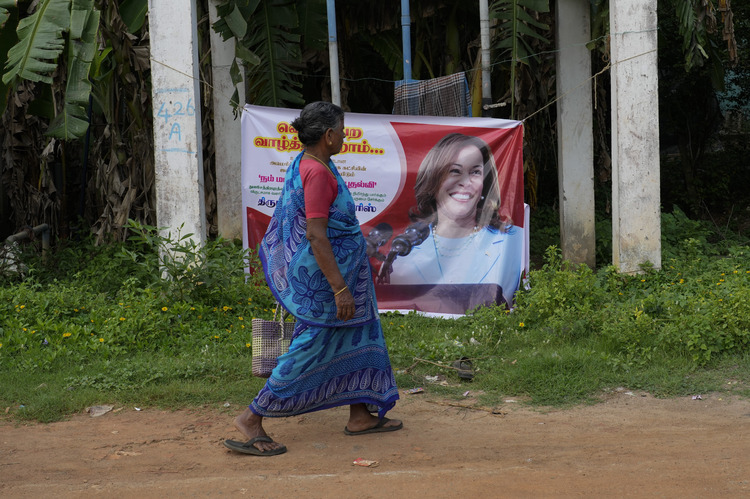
(268, 42)
(39, 41)
(516, 24)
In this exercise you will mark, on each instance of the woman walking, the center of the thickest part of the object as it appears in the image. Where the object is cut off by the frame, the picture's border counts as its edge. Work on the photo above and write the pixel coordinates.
(315, 260)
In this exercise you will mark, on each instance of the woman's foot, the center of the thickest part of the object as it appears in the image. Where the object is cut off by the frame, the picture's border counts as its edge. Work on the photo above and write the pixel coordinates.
(360, 420)
(251, 425)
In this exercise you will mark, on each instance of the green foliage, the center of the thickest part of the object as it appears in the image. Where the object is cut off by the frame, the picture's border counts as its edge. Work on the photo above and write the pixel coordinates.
(39, 42)
(517, 24)
(178, 268)
(124, 323)
(267, 40)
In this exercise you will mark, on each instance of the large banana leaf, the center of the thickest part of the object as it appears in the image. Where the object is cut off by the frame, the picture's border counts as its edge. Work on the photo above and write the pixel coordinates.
(40, 42)
(72, 122)
(515, 26)
(8, 38)
(266, 39)
(4, 12)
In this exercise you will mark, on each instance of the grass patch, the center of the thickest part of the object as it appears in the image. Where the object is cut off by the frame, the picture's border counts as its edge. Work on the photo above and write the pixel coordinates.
(98, 325)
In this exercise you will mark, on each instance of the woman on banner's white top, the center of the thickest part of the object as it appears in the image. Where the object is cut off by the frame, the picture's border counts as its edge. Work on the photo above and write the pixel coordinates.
(458, 195)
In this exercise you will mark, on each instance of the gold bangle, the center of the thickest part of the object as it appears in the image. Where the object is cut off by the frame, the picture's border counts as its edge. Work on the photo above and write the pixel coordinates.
(340, 291)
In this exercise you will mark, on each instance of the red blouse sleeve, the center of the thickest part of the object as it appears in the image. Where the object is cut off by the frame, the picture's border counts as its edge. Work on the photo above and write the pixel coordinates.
(320, 188)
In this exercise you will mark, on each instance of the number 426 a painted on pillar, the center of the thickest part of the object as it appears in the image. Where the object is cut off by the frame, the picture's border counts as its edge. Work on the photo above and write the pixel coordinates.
(174, 110)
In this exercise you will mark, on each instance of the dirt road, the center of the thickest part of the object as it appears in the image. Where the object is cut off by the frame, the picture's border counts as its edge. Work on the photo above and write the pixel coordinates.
(630, 445)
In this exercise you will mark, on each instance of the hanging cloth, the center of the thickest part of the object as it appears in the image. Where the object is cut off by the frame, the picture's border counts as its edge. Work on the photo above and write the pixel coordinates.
(443, 96)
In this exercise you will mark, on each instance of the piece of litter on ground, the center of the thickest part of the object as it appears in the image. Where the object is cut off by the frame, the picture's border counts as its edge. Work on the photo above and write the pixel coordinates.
(509, 401)
(364, 462)
(99, 410)
(412, 391)
(630, 393)
(226, 404)
(431, 378)
(466, 393)
(137, 408)
(697, 397)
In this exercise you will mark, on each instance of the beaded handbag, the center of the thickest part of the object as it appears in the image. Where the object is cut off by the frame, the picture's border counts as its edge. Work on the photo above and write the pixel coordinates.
(271, 339)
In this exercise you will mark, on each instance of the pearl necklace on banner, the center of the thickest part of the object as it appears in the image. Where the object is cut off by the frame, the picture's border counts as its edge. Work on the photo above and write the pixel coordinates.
(451, 252)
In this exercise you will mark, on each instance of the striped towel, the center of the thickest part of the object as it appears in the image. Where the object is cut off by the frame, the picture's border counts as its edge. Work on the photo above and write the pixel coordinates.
(443, 96)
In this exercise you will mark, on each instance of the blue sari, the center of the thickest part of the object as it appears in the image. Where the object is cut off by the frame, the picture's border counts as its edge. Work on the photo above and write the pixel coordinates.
(330, 362)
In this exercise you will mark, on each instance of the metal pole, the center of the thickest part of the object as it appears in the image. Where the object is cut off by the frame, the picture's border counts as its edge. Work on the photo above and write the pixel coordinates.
(406, 38)
(484, 31)
(333, 53)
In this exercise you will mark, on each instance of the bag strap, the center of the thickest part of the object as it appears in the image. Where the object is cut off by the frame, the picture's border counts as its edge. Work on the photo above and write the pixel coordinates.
(282, 315)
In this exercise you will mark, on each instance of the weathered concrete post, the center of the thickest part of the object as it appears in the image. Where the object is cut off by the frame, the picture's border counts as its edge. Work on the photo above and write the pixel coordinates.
(636, 211)
(575, 140)
(227, 134)
(178, 149)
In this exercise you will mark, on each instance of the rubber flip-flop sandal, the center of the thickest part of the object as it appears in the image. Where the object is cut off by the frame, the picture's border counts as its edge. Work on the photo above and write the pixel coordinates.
(249, 448)
(378, 428)
(464, 368)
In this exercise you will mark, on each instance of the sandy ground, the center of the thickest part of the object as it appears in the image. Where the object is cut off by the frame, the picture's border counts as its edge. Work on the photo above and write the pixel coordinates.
(630, 445)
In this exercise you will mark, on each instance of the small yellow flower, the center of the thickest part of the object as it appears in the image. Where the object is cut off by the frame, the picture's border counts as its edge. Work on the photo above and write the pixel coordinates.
(242, 326)
(216, 336)
(521, 324)
(1, 345)
(22, 307)
(682, 281)
(192, 308)
(643, 280)
(240, 318)
(121, 304)
(66, 335)
(164, 309)
(122, 318)
(75, 310)
(248, 345)
(24, 329)
(225, 308)
(101, 340)
(33, 331)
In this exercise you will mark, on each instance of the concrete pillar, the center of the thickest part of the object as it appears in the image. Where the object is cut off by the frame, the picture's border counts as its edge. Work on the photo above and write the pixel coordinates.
(178, 149)
(636, 211)
(575, 140)
(227, 134)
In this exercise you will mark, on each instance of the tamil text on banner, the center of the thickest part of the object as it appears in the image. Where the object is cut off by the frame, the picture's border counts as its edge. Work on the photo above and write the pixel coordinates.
(471, 168)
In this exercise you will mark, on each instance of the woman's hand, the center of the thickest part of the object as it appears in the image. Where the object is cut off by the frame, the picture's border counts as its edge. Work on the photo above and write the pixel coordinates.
(344, 305)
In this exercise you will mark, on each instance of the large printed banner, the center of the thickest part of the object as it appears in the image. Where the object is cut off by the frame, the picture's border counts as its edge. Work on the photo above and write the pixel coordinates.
(471, 168)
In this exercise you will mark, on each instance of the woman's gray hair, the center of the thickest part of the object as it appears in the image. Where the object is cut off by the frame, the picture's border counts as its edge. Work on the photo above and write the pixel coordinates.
(315, 119)
(435, 168)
